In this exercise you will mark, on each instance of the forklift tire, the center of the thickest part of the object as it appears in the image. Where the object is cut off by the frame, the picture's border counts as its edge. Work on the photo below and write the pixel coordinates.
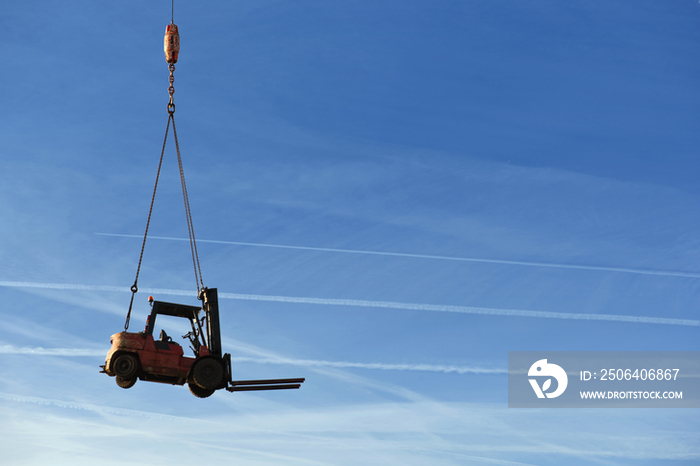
(126, 383)
(125, 366)
(200, 392)
(208, 373)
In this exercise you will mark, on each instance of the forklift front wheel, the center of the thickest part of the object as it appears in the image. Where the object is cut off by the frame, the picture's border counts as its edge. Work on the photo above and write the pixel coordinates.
(208, 373)
(126, 383)
(200, 392)
(125, 366)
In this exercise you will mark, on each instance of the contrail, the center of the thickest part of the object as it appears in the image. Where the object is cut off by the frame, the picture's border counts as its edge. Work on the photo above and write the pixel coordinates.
(71, 352)
(376, 304)
(464, 309)
(664, 273)
(380, 366)
(481, 459)
(39, 351)
(66, 286)
(97, 408)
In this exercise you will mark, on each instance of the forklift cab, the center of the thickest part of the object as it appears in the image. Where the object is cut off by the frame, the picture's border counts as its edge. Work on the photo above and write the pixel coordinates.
(165, 342)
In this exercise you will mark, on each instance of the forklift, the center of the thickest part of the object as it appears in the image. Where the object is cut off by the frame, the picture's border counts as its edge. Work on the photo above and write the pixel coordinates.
(139, 356)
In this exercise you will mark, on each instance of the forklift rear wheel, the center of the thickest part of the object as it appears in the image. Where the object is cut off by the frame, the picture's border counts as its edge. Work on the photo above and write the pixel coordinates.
(208, 373)
(200, 392)
(126, 383)
(125, 366)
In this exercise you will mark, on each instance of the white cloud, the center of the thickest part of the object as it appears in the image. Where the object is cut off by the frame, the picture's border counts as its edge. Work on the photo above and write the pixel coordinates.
(378, 304)
(410, 433)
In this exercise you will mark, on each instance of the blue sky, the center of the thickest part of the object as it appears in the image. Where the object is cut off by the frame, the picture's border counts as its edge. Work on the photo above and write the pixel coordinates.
(491, 156)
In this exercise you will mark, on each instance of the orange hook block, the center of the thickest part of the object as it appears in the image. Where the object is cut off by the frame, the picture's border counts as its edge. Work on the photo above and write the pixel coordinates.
(172, 43)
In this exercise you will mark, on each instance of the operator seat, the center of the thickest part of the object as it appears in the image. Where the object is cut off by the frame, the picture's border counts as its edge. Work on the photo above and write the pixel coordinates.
(164, 337)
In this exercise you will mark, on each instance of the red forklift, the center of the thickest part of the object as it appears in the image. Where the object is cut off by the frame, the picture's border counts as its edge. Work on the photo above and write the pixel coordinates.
(135, 356)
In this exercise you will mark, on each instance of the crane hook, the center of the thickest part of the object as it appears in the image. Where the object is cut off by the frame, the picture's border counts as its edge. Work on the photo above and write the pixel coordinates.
(171, 43)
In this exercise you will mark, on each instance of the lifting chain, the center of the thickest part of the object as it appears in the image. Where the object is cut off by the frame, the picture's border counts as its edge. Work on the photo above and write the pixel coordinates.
(171, 89)
(134, 287)
(172, 49)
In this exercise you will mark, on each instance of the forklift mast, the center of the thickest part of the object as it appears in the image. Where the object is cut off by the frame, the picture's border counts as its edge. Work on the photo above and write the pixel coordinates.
(210, 298)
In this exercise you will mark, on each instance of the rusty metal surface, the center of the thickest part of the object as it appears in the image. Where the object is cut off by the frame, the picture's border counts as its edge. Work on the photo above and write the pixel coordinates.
(171, 43)
(165, 364)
